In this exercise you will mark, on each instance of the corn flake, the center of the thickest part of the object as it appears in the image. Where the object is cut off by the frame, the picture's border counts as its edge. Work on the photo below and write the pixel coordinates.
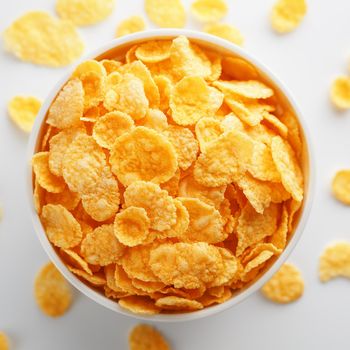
(146, 337)
(131, 226)
(96, 280)
(52, 292)
(165, 87)
(130, 25)
(39, 38)
(169, 14)
(341, 186)
(66, 198)
(143, 154)
(285, 286)
(340, 92)
(209, 10)
(141, 305)
(177, 303)
(207, 130)
(154, 51)
(154, 119)
(335, 262)
(238, 69)
(225, 31)
(4, 342)
(23, 111)
(101, 247)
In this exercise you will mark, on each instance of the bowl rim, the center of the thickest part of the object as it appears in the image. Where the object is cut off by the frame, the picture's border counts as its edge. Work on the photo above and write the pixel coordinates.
(309, 193)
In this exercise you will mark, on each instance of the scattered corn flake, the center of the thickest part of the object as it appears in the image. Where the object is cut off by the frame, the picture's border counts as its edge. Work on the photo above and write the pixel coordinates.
(225, 31)
(110, 126)
(130, 25)
(154, 119)
(341, 186)
(193, 99)
(158, 204)
(185, 144)
(66, 198)
(40, 38)
(335, 261)
(96, 280)
(146, 337)
(82, 164)
(141, 305)
(207, 130)
(61, 227)
(286, 15)
(285, 286)
(239, 69)
(67, 109)
(288, 167)
(23, 111)
(154, 51)
(84, 12)
(206, 224)
(253, 227)
(48, 181)
(166, 14)
(4, 341)
(143, 154)
(253, 89)
(59, 144)
(178, 304)
(185, 265)
(135, 262)
(131, 226)
(209, 10)
(52, 292)
(340, 92)
(190, 188)
(102, 201)
(128, 97)
(101, 247)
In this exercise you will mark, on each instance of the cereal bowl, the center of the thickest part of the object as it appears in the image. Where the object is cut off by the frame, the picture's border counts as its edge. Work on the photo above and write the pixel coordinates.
(118, 48)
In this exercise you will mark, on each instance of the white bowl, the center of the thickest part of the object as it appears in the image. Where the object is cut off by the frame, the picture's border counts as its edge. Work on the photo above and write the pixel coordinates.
(219, 45)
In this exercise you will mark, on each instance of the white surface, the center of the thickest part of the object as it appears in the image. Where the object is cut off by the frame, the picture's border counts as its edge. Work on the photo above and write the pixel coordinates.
(306, 61)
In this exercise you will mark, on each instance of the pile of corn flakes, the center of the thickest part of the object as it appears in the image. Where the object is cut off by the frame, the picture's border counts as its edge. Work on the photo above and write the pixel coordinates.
(165, 181)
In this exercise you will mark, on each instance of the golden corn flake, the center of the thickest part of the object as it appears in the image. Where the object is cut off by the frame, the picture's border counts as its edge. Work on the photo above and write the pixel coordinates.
(279, 237)
(96, 280)
(335, 262)
(110, 65)
(253, 227)
(165, 86)
(274, 123)
(177, 303)
(286, 15)
(154, 119)
(185, 265)
(185, 144)
(154, 51)
(130, 25)
(48, 181)
(207, 130)
(340, 92)
(67, 109)
(207, 299)
(238, 69)
(251, 270)
(341, 186)
(158, 204)
(74, 259)
(190, 188)
(52, 292)
(136, 264)
(169, 14)
(62, 229)
(65, 198)
(59, 144)
(143, 154)
(193, 99)
(101, 247)
(141, 305)
(288, 167)
(209, 10)
(206, 224)
(38, 198)
(110, 126)
(102, 200)
(128, 96)
(250, 89)
(39, 38)
(285, 286)
(4, 342)
(146, 337)
(148, 287)
(124, 282)
(82, 164)
(225, 31)
(23, 111)
(131, 226)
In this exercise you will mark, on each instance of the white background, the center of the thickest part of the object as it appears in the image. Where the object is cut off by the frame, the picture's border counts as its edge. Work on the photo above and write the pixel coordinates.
(306, 60)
